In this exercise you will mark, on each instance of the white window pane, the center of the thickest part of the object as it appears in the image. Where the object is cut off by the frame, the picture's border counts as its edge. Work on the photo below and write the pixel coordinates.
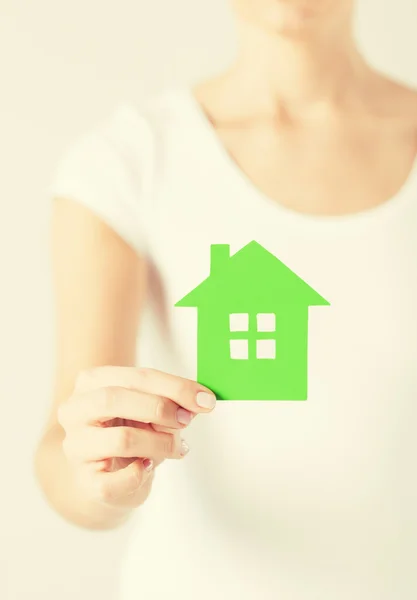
(265, 348)
(239, 322)
(265, 322)
(239, 349)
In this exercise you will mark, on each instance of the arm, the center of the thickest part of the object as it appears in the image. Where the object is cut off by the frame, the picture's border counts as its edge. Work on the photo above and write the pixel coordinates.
(99, 284)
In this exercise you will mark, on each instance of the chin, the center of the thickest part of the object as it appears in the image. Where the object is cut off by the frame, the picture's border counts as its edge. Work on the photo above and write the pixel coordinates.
(294, 18)
(290, 17)
(291, 21)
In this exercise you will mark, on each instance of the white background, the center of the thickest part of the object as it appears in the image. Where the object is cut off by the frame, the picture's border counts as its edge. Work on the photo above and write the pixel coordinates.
(64, 65)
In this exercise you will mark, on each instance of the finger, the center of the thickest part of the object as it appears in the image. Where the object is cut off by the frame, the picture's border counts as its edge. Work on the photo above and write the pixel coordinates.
(114, 464)
(162, 429)
(185, 392)
(110, 488)
(97, 443)
(107, 403)
(179, 440)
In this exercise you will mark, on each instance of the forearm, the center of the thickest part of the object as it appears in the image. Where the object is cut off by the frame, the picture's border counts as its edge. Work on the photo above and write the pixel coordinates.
(60, 487)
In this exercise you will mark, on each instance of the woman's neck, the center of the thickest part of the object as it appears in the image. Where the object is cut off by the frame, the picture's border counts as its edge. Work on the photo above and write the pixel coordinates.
(296, 74)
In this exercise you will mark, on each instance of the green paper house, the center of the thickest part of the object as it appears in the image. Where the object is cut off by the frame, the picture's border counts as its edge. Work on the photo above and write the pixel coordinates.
(252, 326)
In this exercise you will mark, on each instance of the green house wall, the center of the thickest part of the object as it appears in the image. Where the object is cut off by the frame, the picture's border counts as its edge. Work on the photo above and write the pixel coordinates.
(282, 378)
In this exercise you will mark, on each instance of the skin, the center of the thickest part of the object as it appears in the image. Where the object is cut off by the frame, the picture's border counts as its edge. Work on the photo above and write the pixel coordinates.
(303, 115)
(106, 413)
(313, 127)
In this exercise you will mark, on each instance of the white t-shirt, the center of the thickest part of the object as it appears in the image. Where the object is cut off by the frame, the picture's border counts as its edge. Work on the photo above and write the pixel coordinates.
(278, 500)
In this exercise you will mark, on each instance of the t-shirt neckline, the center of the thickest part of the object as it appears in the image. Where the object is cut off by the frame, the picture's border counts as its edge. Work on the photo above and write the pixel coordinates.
(247, 191)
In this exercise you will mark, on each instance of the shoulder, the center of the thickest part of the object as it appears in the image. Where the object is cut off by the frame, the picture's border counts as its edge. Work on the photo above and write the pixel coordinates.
(109, 165)
(134, 128)
(118, 146)
(126, 136)
(154, 111)
(396, 104)
(397, 99)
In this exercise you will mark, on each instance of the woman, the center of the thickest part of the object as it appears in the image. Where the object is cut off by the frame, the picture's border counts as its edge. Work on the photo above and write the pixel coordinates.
(305, 149)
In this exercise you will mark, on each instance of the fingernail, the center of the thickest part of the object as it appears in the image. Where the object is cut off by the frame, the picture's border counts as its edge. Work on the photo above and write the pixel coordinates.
(148, 464)
(206, 400)
(183, 416)
(184, 448)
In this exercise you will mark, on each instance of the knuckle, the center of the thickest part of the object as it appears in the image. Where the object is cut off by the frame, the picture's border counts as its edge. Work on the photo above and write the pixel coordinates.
(86, 375)
(160, 410)
(65, 445)
(144, 372)
(148, 409)
(82, 376)
(61, 414)
(94, 372)
(107, 400)
(68, 447)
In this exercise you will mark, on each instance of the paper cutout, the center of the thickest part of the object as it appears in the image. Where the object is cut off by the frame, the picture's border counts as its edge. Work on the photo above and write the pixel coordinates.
(252, 326)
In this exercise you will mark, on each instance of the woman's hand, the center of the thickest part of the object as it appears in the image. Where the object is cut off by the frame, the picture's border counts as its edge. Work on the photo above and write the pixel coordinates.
(121, 422)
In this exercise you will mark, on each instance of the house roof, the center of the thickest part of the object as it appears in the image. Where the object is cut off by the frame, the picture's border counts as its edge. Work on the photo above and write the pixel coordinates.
(252, 273)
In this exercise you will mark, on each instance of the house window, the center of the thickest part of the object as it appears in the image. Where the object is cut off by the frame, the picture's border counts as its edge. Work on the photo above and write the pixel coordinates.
(265, 349)
(265, 322)
(256, 341)
(239, 349)
(239, 322)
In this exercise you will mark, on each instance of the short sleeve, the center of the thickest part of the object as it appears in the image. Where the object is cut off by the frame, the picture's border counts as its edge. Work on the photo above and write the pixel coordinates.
(104, 168)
